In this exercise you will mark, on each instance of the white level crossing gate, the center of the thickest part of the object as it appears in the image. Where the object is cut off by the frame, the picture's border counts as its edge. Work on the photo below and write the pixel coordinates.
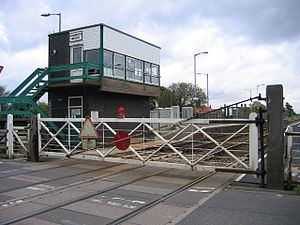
(198, 144)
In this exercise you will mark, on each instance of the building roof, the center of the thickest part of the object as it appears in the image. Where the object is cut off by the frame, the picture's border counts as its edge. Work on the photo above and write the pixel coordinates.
(104, 25)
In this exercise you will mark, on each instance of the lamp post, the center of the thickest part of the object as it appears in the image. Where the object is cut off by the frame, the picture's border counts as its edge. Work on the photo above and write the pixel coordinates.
(249, 91)
(206, 88)
(56, 14)
(195, 69)
(195, 64)
(258, 86)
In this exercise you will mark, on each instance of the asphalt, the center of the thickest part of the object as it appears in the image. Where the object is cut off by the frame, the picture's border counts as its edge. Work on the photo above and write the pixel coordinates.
(238, 202)
(247, 205)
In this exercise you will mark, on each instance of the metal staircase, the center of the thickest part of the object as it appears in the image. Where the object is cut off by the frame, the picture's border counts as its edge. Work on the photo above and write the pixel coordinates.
(23, 99)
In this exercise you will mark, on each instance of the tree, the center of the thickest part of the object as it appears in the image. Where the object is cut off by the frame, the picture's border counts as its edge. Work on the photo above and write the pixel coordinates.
(255, 105)
(289, 109)
(3, 91)
(165, 98)
(43, 106)
(184, 94)
(152, 102)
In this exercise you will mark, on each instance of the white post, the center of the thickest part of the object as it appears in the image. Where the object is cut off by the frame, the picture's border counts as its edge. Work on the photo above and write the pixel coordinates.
(289, 152)
(253, 143)
(10, 136)
(39, 132)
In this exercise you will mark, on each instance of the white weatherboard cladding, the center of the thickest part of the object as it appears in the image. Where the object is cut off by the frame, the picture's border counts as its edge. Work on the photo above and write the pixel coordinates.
(90, 39)
(122, 43)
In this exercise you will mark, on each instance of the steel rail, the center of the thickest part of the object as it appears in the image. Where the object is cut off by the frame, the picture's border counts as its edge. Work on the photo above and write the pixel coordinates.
(51, 180)
(163, 198)
(80, 198)
(61, 166)
(159, 200)
(47, 193)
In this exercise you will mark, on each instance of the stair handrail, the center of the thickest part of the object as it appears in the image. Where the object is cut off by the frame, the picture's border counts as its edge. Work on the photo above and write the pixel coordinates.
(26, 81)
(34, 83)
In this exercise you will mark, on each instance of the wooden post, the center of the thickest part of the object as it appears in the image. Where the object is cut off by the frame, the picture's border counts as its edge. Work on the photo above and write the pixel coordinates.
(33, 140)
(275, 168)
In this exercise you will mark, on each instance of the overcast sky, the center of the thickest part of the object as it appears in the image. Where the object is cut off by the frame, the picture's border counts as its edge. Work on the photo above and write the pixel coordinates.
(249, 42)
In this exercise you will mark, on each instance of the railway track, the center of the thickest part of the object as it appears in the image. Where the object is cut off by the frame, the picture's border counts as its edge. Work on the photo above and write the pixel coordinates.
(56, 179)
(139, 174)
(66, 164)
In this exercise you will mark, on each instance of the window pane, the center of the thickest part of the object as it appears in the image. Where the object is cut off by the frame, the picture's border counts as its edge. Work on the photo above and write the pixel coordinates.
(119, 63)
(92, 56)
(77, 55)
(107, 62)
(130, 68)
(75, 101)
(147, 72)
(138, 70)
(155, 74)
(130, 63)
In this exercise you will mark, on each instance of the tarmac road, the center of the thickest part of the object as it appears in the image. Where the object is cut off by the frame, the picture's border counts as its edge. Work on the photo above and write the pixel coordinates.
(247, 206)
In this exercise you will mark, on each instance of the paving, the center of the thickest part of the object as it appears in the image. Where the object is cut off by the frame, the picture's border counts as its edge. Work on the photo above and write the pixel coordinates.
(216, 200)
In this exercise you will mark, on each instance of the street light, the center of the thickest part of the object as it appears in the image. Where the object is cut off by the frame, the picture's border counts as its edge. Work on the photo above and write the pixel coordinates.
(249, 91)
(206, 88)
(195, 55)
(195, 64)
(258, 86)
(56, 14)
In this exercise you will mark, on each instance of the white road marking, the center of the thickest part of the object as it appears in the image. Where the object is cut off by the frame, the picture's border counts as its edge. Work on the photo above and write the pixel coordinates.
(36, 188)
(118, 202)
(116, 198)
(139, 202)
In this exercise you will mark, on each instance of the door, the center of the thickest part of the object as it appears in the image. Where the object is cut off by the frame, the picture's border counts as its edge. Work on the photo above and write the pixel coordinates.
(76, 57)
(75, 110)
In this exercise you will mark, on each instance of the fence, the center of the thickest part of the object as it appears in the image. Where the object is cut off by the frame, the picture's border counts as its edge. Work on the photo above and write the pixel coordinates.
(292, 154)
(199, 144)
(14, 139)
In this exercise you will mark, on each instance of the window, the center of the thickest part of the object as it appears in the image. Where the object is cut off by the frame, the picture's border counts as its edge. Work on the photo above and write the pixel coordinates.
(138, 72)
(155, 74)
(148, 73)
(108, 62)
(119, 64)
(92, 56)
(130, 68)
(134, 69)
(75, 106)
(77, 55)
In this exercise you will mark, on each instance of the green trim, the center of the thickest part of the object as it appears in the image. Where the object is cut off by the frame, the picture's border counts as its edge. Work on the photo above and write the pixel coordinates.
(75, 77)
(40, 89)
(101, 52)
(125, 67)
(131, 81)
(26, 81)
(143, 72)
(84, 60)
(35, 83)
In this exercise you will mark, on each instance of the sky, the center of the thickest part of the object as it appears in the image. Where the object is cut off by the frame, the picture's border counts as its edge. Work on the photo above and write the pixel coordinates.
(250, 43)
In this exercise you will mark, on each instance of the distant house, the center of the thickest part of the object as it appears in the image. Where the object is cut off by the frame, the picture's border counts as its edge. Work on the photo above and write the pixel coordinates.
(97, 69)
(203, 109)
(212, 112)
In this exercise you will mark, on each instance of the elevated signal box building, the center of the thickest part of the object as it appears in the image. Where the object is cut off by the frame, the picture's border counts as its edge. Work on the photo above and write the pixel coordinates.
(97, 69)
